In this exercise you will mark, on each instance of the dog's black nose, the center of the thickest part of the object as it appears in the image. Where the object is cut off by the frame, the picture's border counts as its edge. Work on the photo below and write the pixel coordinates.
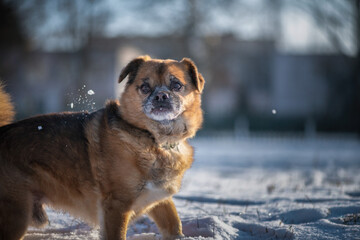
(161, 96)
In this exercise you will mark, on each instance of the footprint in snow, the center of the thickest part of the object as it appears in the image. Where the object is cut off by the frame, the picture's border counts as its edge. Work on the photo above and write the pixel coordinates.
(304, 215)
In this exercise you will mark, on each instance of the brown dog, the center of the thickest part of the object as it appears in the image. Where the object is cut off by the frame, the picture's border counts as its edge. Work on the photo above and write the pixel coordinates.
(109, 166)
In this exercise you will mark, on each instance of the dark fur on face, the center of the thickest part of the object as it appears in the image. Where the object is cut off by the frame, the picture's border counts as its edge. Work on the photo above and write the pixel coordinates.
(162, 105)
(109, 166)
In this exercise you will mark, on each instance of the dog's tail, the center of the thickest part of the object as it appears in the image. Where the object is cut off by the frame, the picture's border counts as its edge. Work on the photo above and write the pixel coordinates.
(6, 107)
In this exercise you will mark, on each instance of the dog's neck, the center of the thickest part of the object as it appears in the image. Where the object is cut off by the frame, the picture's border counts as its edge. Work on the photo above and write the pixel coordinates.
(166, 135)
(163, 137)
(169, 133)
(170, 146)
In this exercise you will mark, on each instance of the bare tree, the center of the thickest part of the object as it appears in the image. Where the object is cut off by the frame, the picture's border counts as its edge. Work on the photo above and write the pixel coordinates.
(67, 25)
(332, 18)
(64, 25)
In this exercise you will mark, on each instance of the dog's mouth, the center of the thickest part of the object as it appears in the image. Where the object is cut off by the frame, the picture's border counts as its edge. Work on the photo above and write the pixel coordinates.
(162, 105)
(162, 112)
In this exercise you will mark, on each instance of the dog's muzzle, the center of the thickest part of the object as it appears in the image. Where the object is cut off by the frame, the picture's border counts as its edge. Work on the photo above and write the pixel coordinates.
(162, 105)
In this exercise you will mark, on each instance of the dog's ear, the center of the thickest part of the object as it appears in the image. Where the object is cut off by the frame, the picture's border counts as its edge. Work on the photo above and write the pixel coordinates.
(132, 68)
(195, 76)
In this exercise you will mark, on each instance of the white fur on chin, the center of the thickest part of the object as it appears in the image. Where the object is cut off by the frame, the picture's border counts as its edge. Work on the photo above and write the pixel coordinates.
(165, 116)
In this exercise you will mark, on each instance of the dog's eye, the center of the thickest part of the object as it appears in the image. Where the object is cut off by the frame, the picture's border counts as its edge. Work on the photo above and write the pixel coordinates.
(175, 86)
(145, 88)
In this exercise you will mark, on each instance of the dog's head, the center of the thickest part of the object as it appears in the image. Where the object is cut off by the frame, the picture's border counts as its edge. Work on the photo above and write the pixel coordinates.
(163, 96)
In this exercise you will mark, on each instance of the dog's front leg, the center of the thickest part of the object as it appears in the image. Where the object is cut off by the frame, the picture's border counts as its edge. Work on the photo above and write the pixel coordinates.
(166, 218)
(116, 217)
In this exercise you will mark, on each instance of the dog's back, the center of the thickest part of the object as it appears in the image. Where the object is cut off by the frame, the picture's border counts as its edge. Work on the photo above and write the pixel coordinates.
(6, 107)
(41, 158)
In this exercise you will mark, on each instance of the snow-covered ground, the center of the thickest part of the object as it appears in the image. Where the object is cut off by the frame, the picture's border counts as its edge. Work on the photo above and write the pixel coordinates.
(255, 188)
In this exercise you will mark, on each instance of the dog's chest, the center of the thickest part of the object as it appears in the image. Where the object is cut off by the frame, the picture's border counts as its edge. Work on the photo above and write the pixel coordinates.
(164, 174)
(149, 195)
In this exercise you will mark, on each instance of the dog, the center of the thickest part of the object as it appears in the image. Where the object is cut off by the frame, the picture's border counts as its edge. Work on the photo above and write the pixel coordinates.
(109, 166)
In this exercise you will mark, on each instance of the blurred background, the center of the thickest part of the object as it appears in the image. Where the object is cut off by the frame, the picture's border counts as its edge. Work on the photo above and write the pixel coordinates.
(273, 66)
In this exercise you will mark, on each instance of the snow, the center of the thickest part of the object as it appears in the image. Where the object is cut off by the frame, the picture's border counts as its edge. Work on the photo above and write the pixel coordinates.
(82, 99)
(90, 92)
(255, 188)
